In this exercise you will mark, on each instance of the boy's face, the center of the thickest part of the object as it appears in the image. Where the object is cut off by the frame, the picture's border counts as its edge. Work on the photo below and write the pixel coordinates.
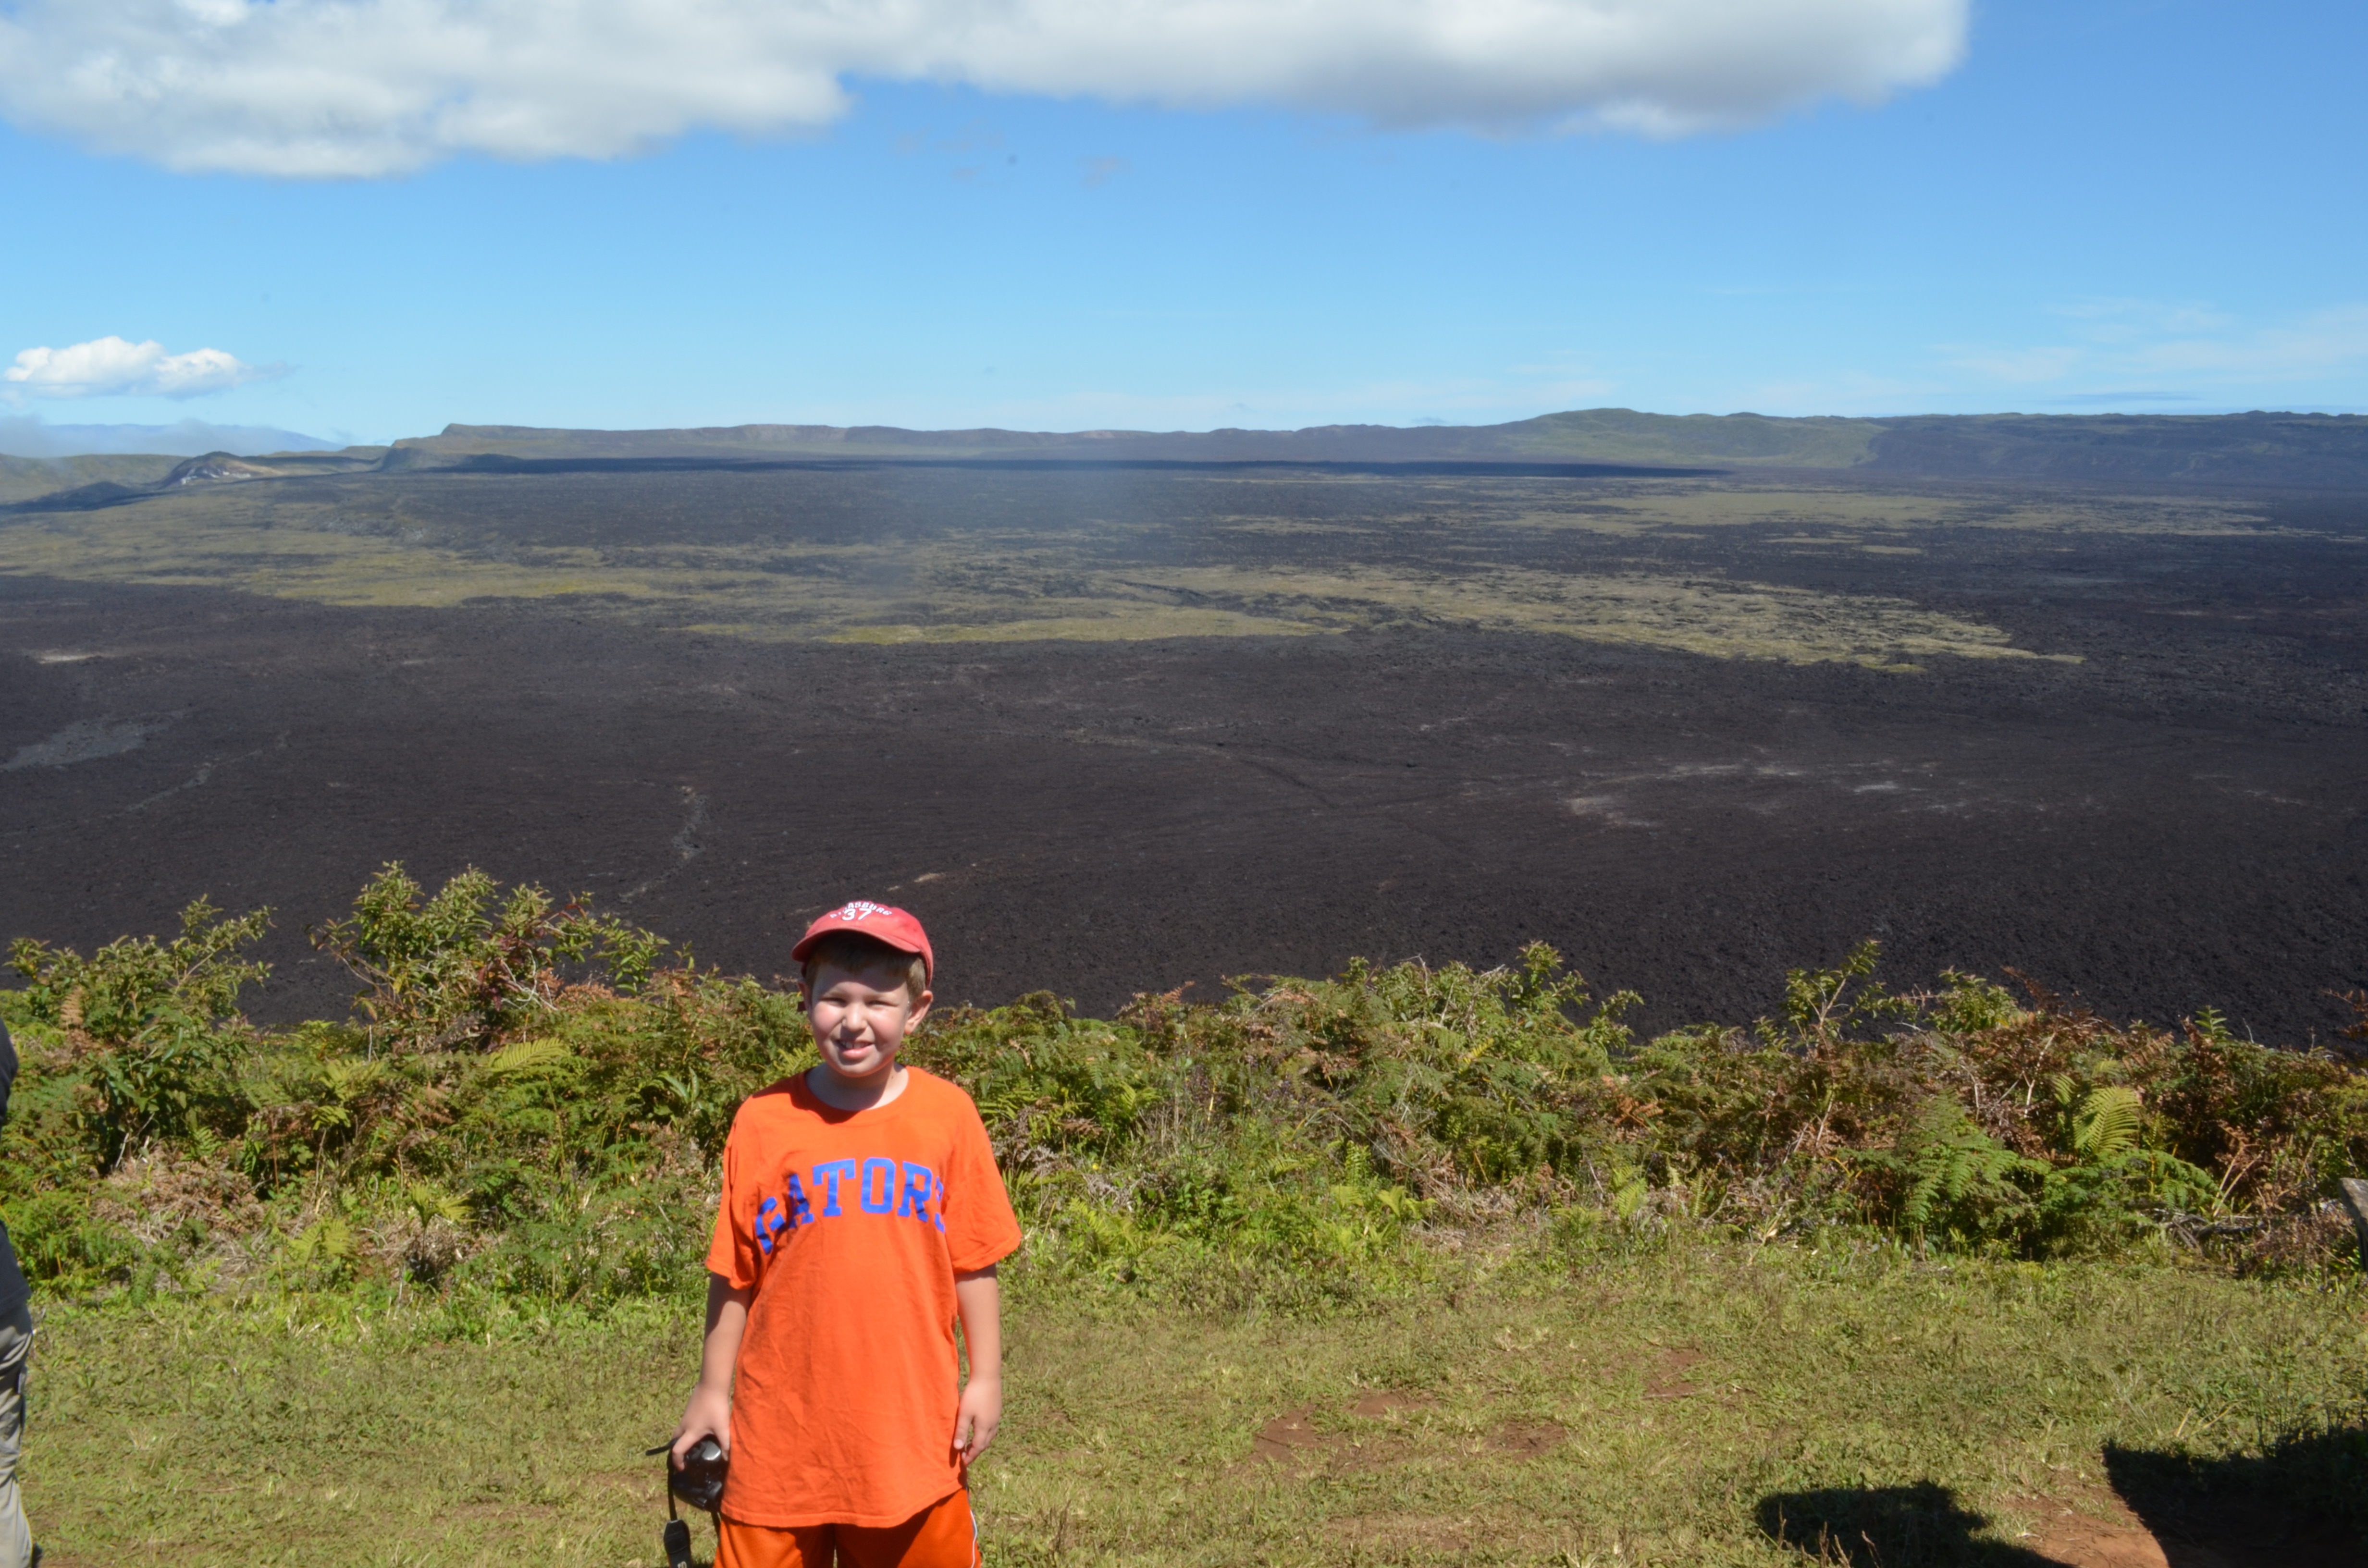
(859, 1019)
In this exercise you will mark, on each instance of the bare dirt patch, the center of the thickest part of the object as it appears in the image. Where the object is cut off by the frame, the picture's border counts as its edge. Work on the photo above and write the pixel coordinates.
(1668, 1379)
(2208, 1536)
(1290, 1439)
(2065, 1533)
(1383, 1404)
(2105, 1532)
(1295, 1440)
(1528, 1439)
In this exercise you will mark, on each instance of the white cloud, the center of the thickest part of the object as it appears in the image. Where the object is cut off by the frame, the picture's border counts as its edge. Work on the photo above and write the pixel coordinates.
(324, 88)
(109, 367)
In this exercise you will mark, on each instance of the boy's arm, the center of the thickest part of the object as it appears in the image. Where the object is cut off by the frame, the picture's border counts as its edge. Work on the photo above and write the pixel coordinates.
(981, 1411)
(709, 1414)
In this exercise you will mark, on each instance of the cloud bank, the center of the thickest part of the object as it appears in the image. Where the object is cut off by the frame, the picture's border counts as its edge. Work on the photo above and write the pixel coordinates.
(328, 88)
(109, 367)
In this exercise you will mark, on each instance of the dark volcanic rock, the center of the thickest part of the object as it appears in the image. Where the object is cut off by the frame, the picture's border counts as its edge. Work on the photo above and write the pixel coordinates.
(2174, 823)
(2284, 449)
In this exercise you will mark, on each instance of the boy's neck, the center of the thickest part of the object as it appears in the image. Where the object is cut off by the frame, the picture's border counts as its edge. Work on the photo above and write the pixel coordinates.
(841, 1093)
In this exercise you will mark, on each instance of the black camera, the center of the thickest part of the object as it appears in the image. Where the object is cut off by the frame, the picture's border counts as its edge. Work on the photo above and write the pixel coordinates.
(698, 1483)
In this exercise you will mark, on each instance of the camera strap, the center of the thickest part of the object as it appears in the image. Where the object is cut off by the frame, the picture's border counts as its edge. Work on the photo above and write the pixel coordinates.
(675, 1538)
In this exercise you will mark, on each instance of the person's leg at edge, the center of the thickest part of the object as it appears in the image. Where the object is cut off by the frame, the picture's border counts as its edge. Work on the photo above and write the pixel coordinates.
(15, 1345)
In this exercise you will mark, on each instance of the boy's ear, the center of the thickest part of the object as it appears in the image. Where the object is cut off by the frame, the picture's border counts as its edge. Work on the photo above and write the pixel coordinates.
(920, 1010)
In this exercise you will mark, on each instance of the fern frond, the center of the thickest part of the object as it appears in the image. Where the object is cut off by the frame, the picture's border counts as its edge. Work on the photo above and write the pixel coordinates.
(2109, 1122)
(331, 1239)
(430, 1201)
(526, 1056)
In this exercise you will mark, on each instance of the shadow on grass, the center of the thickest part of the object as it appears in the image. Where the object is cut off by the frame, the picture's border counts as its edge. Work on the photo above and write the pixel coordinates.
(1921, 1526)
(2303, 1504)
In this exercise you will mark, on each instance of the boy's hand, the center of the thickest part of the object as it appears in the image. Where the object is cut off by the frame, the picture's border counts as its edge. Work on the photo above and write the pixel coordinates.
(709, 1414)
(976, 1417)
(980, 1298)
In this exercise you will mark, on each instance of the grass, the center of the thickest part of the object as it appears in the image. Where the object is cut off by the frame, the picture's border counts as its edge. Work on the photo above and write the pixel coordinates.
(1848, 513)
(846, 556)
(1305, 554)
(1654, 1408)
(1718, 617)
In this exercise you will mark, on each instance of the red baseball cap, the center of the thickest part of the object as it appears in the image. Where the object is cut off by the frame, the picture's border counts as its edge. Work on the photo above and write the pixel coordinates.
(881, 922)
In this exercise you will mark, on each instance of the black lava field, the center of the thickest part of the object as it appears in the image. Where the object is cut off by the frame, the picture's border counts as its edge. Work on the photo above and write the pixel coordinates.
(2173, 822)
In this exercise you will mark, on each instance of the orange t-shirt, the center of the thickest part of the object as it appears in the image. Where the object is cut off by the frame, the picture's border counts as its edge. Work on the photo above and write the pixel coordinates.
(850, 1227)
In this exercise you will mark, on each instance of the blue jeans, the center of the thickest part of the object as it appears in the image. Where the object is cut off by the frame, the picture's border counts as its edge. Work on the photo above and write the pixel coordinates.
(16, 1345)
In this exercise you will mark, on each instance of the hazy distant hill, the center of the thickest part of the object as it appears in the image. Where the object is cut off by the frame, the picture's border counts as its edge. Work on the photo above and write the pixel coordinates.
(2313, 450)
(2316, 449)
(2319, 451)
(1614, 435)
(186, 439)
(39, 458)
(21, 479)
(79, 483)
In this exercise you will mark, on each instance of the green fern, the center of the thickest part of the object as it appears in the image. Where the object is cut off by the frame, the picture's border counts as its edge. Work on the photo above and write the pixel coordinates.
(1958, 1175)
(526, 1056)
(430, 1201)
(350, 1080)
(2108, 1122)
(330, 1240)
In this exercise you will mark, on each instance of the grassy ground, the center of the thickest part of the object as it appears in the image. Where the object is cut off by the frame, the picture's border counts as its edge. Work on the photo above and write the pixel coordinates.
(1661, 1409)
(1247, 557)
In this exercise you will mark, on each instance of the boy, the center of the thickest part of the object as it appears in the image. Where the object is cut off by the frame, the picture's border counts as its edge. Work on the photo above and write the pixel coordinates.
(862, 1215)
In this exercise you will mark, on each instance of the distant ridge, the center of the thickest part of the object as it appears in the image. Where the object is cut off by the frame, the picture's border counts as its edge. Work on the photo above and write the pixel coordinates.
(2309, 449)
(2250, 450)
(24, 438)
(85, 483)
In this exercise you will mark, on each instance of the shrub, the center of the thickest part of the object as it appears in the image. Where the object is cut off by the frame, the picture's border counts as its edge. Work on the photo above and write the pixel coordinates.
(525, 1104)
(469, 966)
(151, 1028)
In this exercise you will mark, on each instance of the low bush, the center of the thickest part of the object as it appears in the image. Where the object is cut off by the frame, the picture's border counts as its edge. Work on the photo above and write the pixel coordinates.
(525, 1102)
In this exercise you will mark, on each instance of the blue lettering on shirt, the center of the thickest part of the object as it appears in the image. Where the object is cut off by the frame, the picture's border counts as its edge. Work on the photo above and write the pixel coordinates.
(882, 1185)
(879, 1175)
(828, 1176)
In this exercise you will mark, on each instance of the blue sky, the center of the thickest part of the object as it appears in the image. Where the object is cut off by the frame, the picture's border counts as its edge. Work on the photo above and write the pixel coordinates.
(2107, 205)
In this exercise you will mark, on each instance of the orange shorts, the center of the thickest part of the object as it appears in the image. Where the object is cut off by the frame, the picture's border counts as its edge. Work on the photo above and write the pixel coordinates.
(942, 1535)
